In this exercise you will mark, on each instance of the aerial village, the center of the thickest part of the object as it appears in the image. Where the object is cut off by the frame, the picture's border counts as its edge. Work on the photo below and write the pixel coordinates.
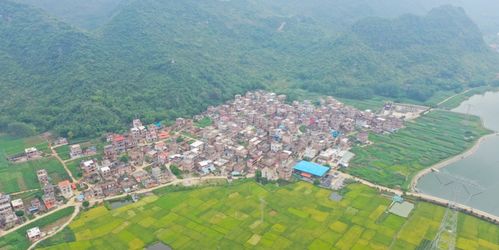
(258, 134)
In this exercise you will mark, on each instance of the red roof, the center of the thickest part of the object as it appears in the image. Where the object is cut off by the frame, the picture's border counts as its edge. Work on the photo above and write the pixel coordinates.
(163, 135)
(49, 204)
(163, 155)
(119, 138)
(306, 175)
(64, 183)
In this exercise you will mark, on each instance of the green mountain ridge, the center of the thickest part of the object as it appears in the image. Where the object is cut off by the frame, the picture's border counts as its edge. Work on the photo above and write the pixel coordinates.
(162, 59)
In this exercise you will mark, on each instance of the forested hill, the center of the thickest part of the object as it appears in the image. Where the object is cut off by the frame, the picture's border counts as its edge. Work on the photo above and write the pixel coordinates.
(406, 57)
(159, 59)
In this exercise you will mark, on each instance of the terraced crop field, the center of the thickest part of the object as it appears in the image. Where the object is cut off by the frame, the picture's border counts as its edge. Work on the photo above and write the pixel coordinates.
(394, 159)
(296, 216)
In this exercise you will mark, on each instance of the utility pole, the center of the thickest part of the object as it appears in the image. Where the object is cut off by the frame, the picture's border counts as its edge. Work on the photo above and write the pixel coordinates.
(446, 236)
(262, 209)
(468, 109)
(447, 233)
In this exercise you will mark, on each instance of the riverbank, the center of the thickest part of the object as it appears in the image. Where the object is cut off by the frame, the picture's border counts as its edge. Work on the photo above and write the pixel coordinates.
(449, 161)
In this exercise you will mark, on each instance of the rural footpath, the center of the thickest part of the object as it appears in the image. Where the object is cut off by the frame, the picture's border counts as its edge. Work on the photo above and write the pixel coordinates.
(194, 181)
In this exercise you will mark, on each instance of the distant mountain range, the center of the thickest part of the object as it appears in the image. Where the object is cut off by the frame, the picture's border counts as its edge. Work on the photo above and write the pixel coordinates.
(158, 59)
(91, 14)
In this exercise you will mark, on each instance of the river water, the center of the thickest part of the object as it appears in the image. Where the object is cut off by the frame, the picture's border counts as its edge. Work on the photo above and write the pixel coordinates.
(473, 181)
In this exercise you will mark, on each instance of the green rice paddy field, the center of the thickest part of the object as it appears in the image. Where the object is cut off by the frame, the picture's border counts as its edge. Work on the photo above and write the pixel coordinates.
(296, 216)
(394, 159)
(22, 176)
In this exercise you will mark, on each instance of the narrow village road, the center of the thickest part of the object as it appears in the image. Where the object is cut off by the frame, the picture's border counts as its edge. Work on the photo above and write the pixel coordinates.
(444, 202)
(72, 203)
(69, 204)
(186, 182)
(372, 185)
(450, 97)
(54, 153)
(428, 198)
(61, 227)
(197, 180)
(25, 191)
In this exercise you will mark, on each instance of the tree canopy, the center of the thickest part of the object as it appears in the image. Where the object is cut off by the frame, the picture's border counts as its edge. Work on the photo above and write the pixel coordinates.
(157, 60)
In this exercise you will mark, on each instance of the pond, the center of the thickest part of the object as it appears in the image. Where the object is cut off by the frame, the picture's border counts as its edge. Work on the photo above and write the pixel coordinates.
(119, 203)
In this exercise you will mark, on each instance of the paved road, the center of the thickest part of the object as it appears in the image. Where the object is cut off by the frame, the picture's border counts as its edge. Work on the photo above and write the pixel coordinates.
(186, 182)
(370, 184)
(444, 202)
(69, 204)
(72, 203)
(450, 97)
(197, 180)
(429, 198)
(61, 227)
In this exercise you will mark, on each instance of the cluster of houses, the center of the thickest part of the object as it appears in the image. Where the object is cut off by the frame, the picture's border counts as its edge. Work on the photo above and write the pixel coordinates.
(260, 131)
(51, 192)
(49, 199)
(8, 207)
(130, 162)
(255, 132)
(52, 196)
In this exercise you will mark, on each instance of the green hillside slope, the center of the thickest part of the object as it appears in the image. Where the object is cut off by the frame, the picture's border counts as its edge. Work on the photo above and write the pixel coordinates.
(162, 59)
(88, 14)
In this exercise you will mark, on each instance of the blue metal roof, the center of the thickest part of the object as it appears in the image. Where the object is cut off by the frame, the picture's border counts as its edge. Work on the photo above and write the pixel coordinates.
(311, 168)
(398, 198)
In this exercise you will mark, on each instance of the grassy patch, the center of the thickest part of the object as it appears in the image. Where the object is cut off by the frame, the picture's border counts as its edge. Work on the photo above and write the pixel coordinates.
(229, 217)
(22, 176)
(373, 104)
(11, 145)
(74, 167)
(205, 122)
(63, 152)
(394, 159)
